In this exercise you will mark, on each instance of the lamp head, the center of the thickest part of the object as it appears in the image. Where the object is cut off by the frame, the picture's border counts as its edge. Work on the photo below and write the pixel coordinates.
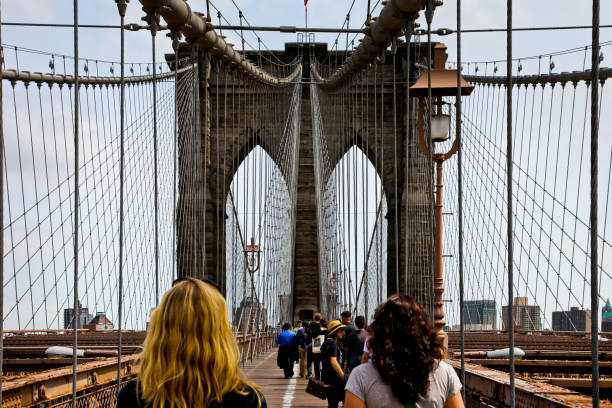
(440, 124)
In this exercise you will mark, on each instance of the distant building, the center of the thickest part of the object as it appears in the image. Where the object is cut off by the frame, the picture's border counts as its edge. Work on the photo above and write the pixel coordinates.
(83, 317)
(100, 322)
(526, 317)
(606, 317)
(480, 314)
(575, 319)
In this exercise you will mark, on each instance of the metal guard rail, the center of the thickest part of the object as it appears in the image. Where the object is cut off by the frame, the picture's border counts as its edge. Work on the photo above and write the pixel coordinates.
(48, 388)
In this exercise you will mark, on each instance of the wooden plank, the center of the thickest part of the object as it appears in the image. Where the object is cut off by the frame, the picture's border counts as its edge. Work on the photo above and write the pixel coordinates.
(539, 363)
(494, 386)
(278, 391)
(576, 382)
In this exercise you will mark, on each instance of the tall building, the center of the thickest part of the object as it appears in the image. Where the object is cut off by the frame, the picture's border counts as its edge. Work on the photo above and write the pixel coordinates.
(526, 317)
(606, 317)
(575, 319)
(481, 314)
(83, 317)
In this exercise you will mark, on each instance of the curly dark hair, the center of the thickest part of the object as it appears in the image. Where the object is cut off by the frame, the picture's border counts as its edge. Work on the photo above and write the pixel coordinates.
(404, 347)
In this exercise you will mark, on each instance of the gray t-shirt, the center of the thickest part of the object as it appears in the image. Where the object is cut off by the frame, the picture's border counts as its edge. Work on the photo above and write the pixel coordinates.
(367, 385)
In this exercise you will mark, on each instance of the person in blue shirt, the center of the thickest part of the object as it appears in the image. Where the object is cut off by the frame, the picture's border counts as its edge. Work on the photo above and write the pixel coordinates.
(287, 350)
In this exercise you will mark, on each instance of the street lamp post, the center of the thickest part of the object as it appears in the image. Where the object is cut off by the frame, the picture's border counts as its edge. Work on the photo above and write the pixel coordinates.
(253, 258)
(443, 83)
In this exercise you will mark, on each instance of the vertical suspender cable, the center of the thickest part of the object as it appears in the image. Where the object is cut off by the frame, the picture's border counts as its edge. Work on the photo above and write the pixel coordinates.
(594, 175)
(217, 213)
(365, 198)
(429, 17)
(193, 168)
(354, 184)
(75, 242)
(395, 170)
(408, 35)
(153, 28)
(204, 152)
(460, 198)
(1, 227)
(175, 46)
(510, 325)
(121, 6)
(382, 157)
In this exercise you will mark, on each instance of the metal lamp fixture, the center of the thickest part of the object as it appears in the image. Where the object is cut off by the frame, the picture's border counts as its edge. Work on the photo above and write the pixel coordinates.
(440, 125)
(253, 256)
(443, 83)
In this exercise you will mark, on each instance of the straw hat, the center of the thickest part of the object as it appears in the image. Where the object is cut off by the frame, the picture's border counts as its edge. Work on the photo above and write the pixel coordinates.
(334, 326)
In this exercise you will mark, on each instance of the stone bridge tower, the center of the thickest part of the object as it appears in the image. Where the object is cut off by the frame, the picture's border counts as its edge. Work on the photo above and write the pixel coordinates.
(409, 200)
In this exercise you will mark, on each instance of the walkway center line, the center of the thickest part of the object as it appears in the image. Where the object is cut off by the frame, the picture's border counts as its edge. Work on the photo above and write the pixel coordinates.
(288, 397)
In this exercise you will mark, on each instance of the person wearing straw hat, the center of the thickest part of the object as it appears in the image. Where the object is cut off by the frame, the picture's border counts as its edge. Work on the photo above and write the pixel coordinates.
(332, 372)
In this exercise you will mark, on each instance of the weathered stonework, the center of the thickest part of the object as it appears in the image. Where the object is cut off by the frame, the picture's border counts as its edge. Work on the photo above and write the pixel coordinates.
(241, 117)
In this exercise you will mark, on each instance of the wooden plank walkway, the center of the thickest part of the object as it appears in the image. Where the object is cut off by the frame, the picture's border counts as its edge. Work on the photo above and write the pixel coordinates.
(280, 392)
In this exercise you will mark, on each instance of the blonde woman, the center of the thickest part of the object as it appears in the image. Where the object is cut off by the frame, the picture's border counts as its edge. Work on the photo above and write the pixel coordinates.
(190, 357)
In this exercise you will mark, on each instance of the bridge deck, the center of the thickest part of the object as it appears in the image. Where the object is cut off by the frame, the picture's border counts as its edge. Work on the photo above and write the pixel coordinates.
(280, 392)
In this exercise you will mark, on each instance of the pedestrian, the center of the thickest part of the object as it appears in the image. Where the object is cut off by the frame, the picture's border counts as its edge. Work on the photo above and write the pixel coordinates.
(190, 356)
(298, 326)
(406, 369)
(345, 319)
(332, 373)
(314, 346)
(303, 341)
(287, 350)
(354, 341)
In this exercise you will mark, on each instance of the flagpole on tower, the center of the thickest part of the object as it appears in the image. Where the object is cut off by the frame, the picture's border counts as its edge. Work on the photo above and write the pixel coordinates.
(306, 15)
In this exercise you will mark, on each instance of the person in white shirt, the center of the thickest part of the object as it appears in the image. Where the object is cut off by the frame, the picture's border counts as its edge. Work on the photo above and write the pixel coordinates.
(405, 369)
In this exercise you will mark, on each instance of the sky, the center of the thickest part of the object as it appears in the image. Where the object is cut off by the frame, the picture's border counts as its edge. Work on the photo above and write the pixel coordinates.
(103, 44)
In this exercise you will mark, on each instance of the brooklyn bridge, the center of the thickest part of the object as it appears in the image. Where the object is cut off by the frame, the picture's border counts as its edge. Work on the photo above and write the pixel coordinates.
(313, 177)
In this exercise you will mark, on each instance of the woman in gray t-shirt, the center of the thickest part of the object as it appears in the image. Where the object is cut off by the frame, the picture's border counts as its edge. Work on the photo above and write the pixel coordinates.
(406, 369)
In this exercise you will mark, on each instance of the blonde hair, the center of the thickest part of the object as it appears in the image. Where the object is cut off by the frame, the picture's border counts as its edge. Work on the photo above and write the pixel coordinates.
(190, 356)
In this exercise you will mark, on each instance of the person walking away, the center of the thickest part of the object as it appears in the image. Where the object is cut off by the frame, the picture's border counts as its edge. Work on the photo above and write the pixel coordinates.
(298, 326)
(346, 319)
(190, 356)
(314, 331)
(406, 369)
(287, 350)
(332, 373)
(354, 341)
(303, 341)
